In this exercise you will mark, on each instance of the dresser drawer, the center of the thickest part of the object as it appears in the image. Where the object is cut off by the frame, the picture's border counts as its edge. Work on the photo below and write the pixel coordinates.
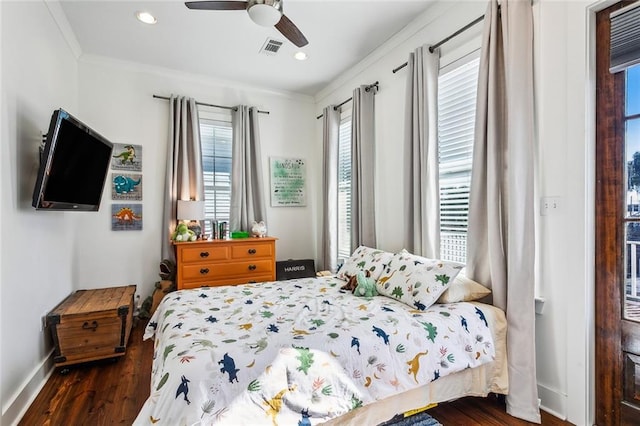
(248, 251)
(204, 254)
(230, 269)
(227, 281)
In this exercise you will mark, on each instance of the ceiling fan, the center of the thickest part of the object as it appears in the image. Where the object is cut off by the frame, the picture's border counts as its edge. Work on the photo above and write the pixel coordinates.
(263, 12)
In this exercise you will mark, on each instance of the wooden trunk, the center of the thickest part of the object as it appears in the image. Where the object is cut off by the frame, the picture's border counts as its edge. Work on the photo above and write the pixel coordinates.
(92, 324)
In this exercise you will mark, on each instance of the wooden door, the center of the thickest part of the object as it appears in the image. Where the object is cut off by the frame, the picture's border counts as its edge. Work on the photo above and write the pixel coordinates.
(617, 242)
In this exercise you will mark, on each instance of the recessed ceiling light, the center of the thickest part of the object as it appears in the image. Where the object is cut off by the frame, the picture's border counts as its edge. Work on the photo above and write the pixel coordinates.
(146, 18)
(301, 56)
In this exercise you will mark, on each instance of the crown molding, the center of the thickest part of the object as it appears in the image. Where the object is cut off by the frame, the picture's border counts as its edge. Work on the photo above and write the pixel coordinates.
(58, 15)
(191, 77)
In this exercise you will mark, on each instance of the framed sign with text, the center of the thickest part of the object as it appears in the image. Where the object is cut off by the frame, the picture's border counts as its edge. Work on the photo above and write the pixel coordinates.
(288, 182)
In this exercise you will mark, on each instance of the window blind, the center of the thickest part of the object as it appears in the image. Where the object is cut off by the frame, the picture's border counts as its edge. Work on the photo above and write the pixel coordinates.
(216, 137)
(457, 90)
(344, 189)
(625, 37)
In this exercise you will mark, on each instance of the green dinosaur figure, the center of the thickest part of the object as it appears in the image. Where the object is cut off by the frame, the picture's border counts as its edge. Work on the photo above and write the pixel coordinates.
(361, 264)
(355, 402)
(204, 343)
(261, 345)
(306, 359)
(128, 155)
(444, 279)
(317, 322)
(397, 292)
(431, 330)
(266, 314)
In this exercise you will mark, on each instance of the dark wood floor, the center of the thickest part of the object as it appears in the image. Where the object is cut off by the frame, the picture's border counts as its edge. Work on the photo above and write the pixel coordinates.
(107, 393)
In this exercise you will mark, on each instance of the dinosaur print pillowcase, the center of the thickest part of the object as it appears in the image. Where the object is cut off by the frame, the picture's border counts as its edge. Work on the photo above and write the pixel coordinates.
(416, 281)
(365, 259)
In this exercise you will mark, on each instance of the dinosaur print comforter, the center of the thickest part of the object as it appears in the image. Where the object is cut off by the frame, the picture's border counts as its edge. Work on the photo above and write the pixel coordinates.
(298, 352)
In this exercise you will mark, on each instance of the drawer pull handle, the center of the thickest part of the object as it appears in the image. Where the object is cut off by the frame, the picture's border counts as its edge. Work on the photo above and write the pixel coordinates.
(252, 267)
(204, 254)
(252, 251)
(93, 326)
(204, 271)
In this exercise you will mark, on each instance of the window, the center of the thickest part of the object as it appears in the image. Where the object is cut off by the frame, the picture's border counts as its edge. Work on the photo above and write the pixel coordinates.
(457, 90)
(344, 189)
(631, 120)
(216, 139)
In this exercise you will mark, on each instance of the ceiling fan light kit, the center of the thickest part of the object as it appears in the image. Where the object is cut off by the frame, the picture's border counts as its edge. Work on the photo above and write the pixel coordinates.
(264, 15)
(263, 12)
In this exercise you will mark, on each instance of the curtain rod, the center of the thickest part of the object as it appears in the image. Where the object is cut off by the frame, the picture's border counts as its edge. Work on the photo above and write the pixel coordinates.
(366, 89)
(444, 40)
(209, 105)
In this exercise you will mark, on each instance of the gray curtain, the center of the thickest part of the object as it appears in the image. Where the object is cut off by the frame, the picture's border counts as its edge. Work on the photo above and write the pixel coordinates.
(363, 220)
(330, 136)
(247, 189)
(500, 245)
(184, 165)
(421, 191)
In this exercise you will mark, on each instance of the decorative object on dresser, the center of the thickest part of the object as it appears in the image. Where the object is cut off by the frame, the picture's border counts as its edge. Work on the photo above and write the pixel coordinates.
(225, 262)
(92, 324)
(191, 212)
(258, 229)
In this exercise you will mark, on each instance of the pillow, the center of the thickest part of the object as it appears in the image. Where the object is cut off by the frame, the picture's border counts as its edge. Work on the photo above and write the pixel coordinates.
(365, 259)
(463, 289)
(417, 281)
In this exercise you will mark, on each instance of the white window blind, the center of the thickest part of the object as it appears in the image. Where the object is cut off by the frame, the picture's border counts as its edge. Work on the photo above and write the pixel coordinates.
(344, 189)
(457, 90)
(216, 137)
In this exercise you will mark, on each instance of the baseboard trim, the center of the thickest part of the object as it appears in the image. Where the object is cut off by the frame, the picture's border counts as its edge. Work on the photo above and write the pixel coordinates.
(27, 393)
(553, 402)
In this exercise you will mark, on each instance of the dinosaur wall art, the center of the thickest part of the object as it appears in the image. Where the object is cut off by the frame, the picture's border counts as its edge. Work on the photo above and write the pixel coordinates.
(126, 186)
(126, 157)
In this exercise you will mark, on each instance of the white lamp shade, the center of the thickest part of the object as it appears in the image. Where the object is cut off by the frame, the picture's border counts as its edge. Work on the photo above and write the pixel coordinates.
(264, 15)
(190, 210)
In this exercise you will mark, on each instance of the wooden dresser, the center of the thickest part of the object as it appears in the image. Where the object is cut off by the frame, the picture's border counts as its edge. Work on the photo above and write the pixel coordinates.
(225, 262)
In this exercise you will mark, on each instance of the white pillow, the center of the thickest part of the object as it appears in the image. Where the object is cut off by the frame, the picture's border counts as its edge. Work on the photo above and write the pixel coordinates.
(463, 289)
(365, 259)
(417, 281)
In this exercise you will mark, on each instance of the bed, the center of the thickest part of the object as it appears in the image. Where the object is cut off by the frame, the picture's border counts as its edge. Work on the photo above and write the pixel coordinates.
(305, 352)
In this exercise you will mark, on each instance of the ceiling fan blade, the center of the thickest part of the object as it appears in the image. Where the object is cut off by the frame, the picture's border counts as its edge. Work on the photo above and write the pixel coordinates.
(290, 31)
(217, 5)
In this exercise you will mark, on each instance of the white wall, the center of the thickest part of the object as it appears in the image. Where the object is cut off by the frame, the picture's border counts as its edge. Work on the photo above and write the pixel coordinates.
(39, 74)
(116, 99)
(565, 239)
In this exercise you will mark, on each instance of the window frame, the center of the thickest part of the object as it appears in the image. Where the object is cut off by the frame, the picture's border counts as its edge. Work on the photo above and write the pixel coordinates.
(218, 119)
(454, 230)
(344, 248)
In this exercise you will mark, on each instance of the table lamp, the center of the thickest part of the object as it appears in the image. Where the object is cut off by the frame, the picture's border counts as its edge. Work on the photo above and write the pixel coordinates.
(191, 212)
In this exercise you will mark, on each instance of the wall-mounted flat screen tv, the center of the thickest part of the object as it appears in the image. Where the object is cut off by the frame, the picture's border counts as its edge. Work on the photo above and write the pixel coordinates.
(73, 166)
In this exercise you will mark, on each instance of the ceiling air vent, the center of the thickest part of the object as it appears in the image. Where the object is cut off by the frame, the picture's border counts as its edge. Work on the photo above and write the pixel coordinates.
(271, 46)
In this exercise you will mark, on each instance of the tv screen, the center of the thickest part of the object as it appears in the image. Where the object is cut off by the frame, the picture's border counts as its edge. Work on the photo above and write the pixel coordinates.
(73, 166)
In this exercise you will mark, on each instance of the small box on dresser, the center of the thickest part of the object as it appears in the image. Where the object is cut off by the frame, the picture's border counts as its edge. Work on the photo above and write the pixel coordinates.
(92, 324)
(225, 262)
